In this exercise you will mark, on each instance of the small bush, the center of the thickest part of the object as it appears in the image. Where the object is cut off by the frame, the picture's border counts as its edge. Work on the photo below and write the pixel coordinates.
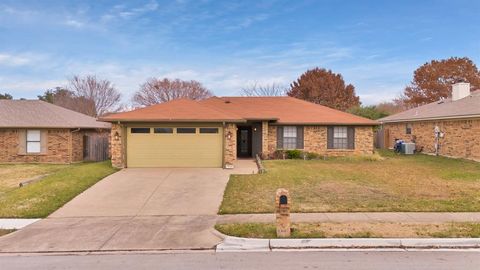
(311, 155)
(294, 154)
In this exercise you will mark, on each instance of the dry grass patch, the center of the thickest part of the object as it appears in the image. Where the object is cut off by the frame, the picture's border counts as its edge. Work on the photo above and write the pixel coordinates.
(355, 230)
(390, 183)
(5, 231)
(12, 174)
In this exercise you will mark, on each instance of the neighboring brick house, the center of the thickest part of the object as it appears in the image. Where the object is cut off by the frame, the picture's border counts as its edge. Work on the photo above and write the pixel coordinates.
(217, 131)
(449, 127)
(37, 131)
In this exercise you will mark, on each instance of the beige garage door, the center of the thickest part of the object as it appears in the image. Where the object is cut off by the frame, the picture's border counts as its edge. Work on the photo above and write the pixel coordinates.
(174, 146)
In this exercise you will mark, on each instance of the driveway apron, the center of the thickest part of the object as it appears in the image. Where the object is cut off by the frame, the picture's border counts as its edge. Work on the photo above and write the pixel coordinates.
(134, 209)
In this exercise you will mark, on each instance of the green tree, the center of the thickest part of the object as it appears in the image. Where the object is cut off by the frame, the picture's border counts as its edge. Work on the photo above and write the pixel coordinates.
(6, 96)
(370, 112)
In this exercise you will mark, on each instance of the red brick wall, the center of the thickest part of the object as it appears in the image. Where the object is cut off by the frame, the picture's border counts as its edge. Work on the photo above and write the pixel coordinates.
(63, 146)
(462, 137)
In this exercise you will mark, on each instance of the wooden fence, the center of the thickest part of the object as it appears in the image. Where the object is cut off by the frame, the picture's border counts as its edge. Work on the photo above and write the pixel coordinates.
(382, 138)
(95, 148)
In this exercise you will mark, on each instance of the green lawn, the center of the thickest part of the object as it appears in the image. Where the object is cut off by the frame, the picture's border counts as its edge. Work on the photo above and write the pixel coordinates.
(41, 198)
(355, 230)
(12, 174)
(389, 183)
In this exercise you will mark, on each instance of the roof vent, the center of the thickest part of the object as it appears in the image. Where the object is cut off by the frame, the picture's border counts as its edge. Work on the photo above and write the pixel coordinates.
(228, 101)
(460, 90)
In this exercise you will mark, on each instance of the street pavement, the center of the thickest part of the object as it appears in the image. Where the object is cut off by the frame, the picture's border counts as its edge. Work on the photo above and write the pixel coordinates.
(285, 260)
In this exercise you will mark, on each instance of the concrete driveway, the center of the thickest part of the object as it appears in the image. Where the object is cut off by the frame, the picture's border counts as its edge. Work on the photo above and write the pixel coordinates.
(134, 209)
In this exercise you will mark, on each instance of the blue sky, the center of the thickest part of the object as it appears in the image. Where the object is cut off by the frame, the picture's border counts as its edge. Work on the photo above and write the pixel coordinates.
(227, 45)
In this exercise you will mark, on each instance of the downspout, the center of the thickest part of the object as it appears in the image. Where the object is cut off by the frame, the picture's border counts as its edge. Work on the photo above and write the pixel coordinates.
(71, 143)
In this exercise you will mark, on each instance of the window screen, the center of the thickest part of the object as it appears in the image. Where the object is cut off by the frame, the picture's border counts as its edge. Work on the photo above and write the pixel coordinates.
(163, 130)
(209, 130)
(186, 130)
(289, 137)
(140, 130)
(340, 137)
(33, 141)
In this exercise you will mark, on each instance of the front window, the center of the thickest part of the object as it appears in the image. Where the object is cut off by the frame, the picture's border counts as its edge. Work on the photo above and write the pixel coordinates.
(408, 128)
(33, 141)
(289, 137)
(340, 137)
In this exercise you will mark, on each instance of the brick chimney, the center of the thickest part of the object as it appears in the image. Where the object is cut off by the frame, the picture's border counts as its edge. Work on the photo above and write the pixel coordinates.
(460, 90)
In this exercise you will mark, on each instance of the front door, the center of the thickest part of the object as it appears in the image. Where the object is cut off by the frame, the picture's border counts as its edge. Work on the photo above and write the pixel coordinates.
(244, 141)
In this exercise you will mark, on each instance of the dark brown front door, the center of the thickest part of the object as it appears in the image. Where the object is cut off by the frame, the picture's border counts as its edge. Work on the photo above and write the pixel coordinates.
(244, 141)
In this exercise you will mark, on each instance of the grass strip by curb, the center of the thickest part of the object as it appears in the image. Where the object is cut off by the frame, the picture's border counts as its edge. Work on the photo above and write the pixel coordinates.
(356, 230)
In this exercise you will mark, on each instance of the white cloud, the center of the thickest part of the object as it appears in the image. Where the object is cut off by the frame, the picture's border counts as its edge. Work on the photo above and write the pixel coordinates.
(24, 59)
(74, 23)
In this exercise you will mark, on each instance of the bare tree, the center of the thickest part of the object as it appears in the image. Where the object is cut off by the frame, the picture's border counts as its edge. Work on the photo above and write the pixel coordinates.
(67, 99)
(102, 92)
(155, 91)
(259, 90)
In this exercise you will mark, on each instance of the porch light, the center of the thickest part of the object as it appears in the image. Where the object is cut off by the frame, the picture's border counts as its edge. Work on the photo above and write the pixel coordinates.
(116, 137)
(254, 129)
(229, 135)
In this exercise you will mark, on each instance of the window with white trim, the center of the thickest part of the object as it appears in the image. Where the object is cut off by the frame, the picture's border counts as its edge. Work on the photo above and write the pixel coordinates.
(289, 137)
(340, 137)
(33, 141)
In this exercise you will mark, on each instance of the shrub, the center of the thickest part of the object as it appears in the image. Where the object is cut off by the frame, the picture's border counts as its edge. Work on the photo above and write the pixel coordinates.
(311, 155)
(294, 154)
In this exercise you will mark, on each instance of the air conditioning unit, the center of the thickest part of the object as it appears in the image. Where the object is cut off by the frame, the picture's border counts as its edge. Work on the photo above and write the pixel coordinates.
(408, 148)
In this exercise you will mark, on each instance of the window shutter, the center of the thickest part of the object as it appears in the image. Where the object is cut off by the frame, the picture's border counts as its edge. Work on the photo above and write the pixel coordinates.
(351, 137)
(279, 137)
(22, 141)
(299, 137)
(43, 141)
(330, 138)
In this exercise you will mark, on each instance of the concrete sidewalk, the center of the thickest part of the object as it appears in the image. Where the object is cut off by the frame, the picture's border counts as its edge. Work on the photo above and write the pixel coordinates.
(422, 217)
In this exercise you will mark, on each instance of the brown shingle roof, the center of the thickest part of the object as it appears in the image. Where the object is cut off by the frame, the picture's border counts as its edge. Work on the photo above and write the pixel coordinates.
(179, 110)
(40, 114)
(285, 110)
(467, 107)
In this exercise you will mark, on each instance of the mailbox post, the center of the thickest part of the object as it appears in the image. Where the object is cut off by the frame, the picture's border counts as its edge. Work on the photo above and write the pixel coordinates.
(282, 209)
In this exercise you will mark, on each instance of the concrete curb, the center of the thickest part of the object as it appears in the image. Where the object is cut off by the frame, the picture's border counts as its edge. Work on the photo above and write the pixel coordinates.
(16, 223)
(235, 244)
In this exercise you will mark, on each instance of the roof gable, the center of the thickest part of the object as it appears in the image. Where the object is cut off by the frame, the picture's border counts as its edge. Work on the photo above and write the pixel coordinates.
(40, 114)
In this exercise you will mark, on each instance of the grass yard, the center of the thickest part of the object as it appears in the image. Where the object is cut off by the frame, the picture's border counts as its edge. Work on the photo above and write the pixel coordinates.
(12, 174)
(355, 230)
(389, 182)
(41, 198)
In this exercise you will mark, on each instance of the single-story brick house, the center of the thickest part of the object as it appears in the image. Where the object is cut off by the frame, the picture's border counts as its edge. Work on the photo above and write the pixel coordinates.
(37, 131)
(215, 132)
(448, 127)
